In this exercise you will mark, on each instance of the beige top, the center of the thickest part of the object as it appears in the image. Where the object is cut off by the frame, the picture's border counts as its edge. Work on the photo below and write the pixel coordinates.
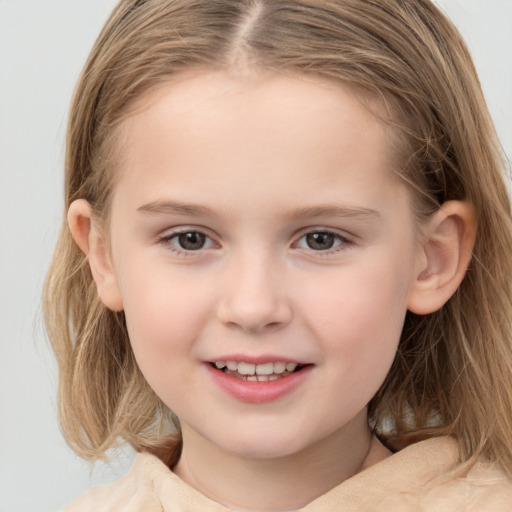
(396, 484)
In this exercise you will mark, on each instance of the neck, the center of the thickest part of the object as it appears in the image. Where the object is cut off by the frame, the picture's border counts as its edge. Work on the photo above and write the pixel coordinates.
(275, 484)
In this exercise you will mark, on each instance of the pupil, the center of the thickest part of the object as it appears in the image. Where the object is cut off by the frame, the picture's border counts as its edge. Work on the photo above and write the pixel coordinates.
(192, 241)
(320, 241)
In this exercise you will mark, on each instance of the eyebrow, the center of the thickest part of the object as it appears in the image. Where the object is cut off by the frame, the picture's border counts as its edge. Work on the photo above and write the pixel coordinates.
(194, 210)
(334, 210)
(175, 208)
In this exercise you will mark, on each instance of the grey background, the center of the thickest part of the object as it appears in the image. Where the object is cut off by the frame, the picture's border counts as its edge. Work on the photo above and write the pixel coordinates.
(43, 45)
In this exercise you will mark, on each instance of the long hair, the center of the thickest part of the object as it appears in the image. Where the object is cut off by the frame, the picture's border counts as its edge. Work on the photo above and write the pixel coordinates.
(452, 374)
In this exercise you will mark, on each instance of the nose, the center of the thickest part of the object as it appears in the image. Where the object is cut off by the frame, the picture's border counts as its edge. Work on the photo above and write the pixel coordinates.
(255, 296)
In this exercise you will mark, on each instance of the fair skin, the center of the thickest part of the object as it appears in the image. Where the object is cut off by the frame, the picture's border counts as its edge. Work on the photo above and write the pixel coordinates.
(257, 220)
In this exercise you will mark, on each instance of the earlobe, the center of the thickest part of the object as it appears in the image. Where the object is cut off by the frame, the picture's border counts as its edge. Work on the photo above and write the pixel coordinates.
(444, 257)
(89, 239)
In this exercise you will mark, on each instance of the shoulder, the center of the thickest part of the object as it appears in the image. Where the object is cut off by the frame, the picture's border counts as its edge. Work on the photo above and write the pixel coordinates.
(136, 491)
(424, 477)
(484, 488)
(449, 486)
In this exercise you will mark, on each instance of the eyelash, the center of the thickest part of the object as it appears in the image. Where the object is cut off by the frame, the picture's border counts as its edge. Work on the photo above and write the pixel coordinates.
(167, 241)
(341, 242)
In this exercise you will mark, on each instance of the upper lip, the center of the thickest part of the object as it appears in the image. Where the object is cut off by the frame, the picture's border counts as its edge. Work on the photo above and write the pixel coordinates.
(253, 359)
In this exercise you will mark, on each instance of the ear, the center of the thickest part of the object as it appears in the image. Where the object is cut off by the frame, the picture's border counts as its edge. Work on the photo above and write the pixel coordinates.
(444, 257)
(92, 243)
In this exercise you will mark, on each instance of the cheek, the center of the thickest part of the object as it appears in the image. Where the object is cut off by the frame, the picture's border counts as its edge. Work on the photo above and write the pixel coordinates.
(164, 315)
(360, 315)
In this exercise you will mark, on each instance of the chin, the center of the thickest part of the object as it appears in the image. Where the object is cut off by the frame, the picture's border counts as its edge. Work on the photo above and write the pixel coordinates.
(263, 446)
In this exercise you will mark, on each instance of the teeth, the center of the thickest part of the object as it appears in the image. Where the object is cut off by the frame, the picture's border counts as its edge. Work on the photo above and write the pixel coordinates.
(246, 368)
(279, 367)
(269, 370)
(265, 369)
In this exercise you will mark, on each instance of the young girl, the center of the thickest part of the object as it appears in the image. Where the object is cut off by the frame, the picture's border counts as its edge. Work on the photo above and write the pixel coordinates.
(284, 274)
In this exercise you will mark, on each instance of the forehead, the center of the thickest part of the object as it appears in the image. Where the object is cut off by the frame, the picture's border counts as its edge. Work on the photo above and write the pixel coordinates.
(208, 127)
(258, 100)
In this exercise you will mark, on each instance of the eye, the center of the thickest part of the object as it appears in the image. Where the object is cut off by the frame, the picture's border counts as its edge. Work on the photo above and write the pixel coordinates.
(188, 241)
(192, 241)
(322, 241)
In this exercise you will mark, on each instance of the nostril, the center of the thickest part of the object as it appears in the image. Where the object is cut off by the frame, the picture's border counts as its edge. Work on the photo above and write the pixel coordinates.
(252, 312)
(262, 326)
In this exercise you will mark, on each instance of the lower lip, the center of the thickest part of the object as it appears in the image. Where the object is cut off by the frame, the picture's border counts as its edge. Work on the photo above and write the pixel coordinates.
(258, 392)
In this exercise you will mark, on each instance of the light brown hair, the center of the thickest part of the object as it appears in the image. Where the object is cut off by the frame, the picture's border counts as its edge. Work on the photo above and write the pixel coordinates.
(452, 374)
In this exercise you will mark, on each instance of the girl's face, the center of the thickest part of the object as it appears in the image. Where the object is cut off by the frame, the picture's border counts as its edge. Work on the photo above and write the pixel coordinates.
(263, 252)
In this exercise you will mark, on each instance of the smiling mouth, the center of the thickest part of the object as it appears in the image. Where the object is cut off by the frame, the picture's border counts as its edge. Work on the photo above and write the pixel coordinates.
(263, 372)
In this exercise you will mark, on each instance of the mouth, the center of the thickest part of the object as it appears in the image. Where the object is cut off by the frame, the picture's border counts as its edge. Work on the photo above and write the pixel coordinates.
(263, 372)
(258, 382)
